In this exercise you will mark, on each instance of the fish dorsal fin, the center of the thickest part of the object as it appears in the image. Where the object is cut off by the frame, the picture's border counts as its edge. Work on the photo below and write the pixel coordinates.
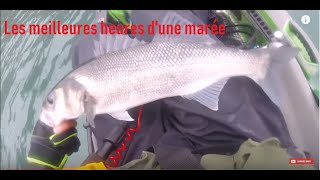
(116, 42)
(186, 20)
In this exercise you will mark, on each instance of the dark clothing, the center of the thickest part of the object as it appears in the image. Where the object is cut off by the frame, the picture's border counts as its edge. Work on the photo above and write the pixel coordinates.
(180, 131)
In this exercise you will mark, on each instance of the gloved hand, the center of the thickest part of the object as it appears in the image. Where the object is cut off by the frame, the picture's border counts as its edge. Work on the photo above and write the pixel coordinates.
(49, 150)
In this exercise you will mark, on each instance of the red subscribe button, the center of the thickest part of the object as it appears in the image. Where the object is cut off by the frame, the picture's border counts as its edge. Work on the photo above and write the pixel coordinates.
(301, 161)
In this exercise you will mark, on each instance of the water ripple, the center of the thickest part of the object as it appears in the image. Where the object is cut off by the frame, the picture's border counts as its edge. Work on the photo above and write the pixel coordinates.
(30, 66)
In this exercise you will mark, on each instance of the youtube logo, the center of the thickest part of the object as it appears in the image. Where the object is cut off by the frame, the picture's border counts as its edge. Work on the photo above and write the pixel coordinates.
(301, 161)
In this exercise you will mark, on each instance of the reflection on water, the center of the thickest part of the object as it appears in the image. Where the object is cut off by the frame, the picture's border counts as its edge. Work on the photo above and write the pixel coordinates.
(30, 66)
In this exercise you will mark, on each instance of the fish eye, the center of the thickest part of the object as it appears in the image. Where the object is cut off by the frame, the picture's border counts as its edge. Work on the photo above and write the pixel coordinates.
(50, 99)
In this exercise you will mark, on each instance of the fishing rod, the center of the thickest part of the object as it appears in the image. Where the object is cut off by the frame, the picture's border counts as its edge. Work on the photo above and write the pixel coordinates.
(118, 143)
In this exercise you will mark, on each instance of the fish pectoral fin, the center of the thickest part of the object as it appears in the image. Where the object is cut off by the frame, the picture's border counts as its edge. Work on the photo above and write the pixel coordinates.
(90, 113)
(123, 116)
(90, 110)
(209, 96)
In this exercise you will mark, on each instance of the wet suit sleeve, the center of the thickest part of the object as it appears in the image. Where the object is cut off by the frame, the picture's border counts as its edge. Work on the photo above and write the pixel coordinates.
(49, 150)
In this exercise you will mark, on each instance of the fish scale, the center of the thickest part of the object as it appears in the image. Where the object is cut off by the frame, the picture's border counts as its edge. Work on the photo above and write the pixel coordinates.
(144, 72)
(123, 79)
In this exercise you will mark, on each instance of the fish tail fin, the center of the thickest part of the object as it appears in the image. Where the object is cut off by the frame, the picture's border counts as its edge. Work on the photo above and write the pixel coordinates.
(280, 57)
(282, 54)
(275, 55)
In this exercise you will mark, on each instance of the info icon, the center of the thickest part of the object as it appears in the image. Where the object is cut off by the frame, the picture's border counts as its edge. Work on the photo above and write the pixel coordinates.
(305, 19)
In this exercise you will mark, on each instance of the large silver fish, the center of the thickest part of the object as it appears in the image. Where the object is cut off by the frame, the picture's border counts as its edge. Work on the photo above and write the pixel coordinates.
(166, 67)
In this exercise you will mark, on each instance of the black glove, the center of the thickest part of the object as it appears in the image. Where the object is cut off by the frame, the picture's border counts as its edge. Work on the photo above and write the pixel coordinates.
(49, 150)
